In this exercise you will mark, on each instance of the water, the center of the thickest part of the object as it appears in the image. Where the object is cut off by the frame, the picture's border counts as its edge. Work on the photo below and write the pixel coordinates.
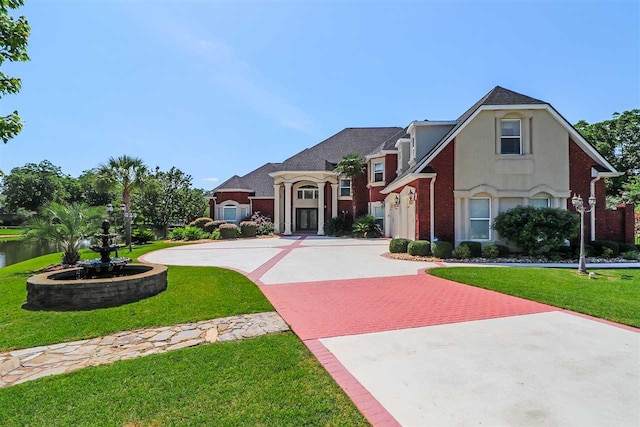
(14, 251)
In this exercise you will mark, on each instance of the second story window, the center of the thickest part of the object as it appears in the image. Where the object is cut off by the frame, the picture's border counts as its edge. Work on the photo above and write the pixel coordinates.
(308, 192)
(510, 136)
(378, 171)
(345, 187)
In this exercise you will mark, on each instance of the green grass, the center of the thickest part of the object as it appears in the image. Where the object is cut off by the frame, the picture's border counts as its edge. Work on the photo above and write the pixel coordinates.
(12, 231)
(613, 295)
(270, 380)
(193, 294)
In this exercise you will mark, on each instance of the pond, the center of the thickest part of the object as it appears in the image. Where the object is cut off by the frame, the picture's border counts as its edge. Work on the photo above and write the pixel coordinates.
(14, 251)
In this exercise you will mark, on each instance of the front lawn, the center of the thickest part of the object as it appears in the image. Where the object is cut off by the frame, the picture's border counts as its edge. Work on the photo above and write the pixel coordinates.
(612, 295)
(193, 294)
(12, 231)
(270, 380)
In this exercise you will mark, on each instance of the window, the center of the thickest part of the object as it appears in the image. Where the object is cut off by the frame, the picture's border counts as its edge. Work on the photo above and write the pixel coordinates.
(378, 172)
(510, 137)
(308, 192)
(345, 187)
(378, 214)
(480, 216)
(539, 203)
(229, 213)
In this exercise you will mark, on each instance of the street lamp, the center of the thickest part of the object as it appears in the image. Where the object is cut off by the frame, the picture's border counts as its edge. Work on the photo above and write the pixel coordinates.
(127, 224)
(109, 208)
(578, 203)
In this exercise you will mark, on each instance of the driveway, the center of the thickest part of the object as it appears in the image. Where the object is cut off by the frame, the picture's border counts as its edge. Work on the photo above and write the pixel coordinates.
(416, 350)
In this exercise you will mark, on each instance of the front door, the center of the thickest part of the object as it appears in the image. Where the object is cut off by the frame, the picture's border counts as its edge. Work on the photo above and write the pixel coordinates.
(307, 219)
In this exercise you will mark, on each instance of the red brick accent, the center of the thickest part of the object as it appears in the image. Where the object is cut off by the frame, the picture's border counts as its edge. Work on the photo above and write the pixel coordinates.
(423, 204)
(212, 208)
(241, 197)
(359, 186)
(390, 167)
(265, 206)
(444, 210)
(375, 195)
(616, 225)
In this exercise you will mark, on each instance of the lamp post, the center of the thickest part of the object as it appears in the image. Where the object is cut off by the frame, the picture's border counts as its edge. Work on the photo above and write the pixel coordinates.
(127, 224)
(109, 208)
(578, 203)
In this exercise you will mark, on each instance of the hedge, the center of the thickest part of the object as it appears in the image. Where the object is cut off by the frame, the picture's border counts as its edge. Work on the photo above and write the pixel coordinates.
(418, 248)
(599, 246)
(228, 231)
(212, 226)
(398, 246)
(441, 249)
(200, 222)
(248, 228)
(474, 247)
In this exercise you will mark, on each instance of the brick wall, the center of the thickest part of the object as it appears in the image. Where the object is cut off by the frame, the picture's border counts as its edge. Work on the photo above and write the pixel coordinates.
(617, 225)
(390, 167)
(265, 206)
(444, 218)
(241, 197)
(423, 204)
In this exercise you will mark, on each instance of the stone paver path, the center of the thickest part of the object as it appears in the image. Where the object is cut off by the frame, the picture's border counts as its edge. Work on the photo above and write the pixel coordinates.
(29, 364)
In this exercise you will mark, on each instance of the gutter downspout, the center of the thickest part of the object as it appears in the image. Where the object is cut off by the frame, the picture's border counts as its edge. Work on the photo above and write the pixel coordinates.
(592, 188)
(432, 203)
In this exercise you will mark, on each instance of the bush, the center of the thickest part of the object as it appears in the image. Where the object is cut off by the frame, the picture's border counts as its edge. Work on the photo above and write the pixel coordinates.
(490, 251)
(212, 226)
(474, 247)
(228, 231)
(398, 246)
(503, 250)
(177, 233)
(600, 245)
(418, 248)
(560, 253)
(462, 252)
(264, 223)
(248, 228)
(441, 249)
(535, 230)
(631, 255)
(627, 247)
(142, 235)
(200, 222)
(366, 226)
(194, 233)
(215, 235)
(338, 226)
(589, 251)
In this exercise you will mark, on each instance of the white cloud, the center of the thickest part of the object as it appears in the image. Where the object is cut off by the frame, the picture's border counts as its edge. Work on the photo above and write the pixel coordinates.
(210, 179)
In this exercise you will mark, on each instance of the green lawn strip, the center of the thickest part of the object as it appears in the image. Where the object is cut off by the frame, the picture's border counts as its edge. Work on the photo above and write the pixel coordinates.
(612, 295)
(12, 231)
(193, 294)
(269, 380)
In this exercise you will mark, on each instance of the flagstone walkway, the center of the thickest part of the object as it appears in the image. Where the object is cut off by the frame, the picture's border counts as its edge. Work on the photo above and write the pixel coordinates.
(31, 363)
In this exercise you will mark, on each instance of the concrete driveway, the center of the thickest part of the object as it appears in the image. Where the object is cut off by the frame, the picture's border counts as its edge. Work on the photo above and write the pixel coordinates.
(416, 350)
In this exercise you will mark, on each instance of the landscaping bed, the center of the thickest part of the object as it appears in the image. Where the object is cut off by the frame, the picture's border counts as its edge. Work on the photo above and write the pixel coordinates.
(515, 259)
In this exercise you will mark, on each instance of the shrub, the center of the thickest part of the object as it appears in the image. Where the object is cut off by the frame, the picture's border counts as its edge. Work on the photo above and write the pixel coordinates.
(200, 222)
(177, 234)
(418, 248)
(248, 228)
(398, 246)
(490, 251)
(441, 249)
(462, 252)
(194, 233)
(600, 245)
(474, 247)
(607, 252)
(631, 255)
(215, 235)
(503, 250)
(366, 226)
(212, 226)
(589, 250)
(537, 229)
(560, 253)
(338, 226)
(228, 231)
(264, 223)
(142, 235)
(627, 247)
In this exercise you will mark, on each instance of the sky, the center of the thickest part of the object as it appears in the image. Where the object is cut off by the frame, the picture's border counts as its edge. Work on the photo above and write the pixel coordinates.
(217, 88)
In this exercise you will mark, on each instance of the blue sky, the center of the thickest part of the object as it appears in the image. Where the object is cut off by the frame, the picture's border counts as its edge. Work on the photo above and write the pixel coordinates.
(219, 88)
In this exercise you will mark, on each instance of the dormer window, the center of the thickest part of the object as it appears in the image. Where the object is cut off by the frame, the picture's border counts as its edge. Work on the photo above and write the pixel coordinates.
(510, 136)
(378, 171)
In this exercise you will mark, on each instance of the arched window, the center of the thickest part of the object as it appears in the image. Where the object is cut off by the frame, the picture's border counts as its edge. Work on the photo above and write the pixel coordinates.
(308, 192)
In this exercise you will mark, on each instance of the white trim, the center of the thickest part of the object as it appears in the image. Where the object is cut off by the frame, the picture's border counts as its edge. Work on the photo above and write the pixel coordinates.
(401, 141)
(470, 218)
(588, 148)
(406, 180)
(519, 136)
(420, 123)
(373, 171)
(233, 190)
(432, 205)
(380, 153)
(340, 187)
(261, 197)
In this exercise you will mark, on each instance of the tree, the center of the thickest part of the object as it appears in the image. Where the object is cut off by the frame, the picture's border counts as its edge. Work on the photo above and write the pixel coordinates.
(126, 174)
(66, 225)
(33, 185)
(168, 198)
(618, 140)
(351, 167)
(90, 192)
(14, 33)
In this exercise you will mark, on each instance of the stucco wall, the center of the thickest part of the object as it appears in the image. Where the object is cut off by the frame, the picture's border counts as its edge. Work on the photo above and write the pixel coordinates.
(427, 137)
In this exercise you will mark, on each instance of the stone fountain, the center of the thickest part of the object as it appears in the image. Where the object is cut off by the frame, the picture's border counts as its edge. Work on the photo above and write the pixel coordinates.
(96, 283)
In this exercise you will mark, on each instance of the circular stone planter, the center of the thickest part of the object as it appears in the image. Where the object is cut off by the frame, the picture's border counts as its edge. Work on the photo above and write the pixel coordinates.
(62, 290)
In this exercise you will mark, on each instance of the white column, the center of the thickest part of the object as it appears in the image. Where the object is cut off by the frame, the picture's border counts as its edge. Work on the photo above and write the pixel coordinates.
(334, 200)
(321, 208)
(287, 208)
(276, 208)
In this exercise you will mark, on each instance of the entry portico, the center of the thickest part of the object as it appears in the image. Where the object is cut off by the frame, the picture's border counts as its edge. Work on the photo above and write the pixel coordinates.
(300, 200)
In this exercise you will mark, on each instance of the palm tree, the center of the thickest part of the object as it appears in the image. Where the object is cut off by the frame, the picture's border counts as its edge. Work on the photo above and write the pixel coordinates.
(66, 226)
(351, 167)
(127, 174)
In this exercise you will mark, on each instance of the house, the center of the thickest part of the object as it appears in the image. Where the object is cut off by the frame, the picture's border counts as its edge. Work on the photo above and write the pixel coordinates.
(436, 179)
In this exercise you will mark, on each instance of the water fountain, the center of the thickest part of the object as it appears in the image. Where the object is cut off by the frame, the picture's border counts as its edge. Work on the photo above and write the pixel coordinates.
(96, 283)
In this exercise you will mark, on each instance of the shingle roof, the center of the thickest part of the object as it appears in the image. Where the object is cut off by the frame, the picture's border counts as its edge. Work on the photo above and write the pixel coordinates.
(390, 144)
(258, 181)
